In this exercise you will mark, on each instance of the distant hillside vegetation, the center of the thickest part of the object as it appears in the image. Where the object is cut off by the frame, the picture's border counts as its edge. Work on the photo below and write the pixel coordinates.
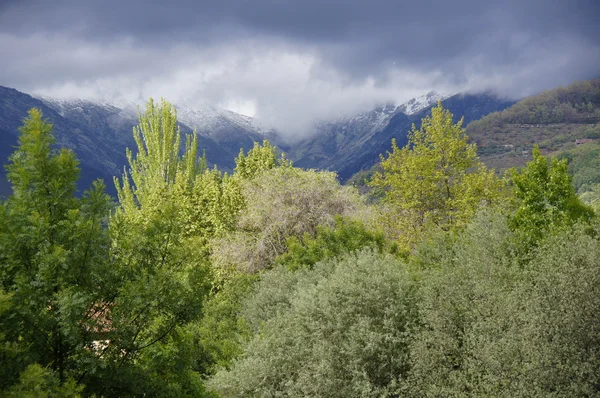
(557, 120)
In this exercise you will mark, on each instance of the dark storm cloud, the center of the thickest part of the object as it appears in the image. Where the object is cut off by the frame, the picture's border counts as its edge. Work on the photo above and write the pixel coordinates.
(354, 35)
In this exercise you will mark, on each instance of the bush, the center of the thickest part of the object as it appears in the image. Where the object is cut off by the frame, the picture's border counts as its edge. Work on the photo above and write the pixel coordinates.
(346, 237)
(465, 347)
(562, 296)
(339, 330)
(495, 327)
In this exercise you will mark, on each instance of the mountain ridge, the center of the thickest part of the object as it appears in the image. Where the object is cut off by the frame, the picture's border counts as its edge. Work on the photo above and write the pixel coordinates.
(99, 132)
(347, 147)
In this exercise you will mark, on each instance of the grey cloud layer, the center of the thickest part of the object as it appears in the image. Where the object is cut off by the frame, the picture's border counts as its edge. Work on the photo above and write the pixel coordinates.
(413, 32)
(377, 49)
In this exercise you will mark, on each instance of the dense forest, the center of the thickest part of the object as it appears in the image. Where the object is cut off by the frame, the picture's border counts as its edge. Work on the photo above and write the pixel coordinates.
(274, 281)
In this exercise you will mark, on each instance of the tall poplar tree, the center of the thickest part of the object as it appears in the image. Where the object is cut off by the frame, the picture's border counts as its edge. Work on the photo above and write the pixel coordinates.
(158, 246)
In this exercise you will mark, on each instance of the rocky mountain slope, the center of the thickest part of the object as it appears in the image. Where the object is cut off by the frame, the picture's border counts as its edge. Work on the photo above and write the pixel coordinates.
(230, 130)
(350, 145)
(95, 132)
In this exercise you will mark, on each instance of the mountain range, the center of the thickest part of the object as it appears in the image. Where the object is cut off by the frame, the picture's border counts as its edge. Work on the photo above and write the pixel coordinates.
(99, 133)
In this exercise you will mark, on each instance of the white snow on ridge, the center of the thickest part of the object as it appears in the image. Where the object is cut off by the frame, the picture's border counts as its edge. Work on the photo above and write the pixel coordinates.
(379, 117)
(207, 118)
(62, 106)
(204, 117)
(417, 104)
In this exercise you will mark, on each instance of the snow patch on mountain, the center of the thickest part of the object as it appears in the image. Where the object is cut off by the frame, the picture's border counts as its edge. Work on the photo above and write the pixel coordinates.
(422, 102)
(207, 118)
(62, 106)
(362, 123)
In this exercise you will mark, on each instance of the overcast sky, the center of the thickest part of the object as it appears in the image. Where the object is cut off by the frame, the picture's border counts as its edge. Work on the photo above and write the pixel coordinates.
(290, 62)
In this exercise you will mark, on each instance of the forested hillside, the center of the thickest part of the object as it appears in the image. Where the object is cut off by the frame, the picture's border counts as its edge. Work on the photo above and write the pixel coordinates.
(554, 120)
(277, 281)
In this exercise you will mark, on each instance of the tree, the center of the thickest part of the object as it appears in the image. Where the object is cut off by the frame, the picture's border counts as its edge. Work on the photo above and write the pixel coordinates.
(280, 203)
(492, 328)
(54, 259)
(591, 196)
(157, 170)
(546, 199)
(258, 159)
(436, 179)
(346, 237)
(158, 244)
(559, 299)
(469, 343)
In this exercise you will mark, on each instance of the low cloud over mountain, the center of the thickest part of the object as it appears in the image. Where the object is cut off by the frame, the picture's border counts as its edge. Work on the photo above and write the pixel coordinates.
(291, 63)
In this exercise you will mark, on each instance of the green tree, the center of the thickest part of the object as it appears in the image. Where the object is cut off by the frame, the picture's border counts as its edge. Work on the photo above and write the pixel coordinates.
(546, 199)
(222, 330)
(492, 328)
(260, 158)
(559, 300)
(347, 236)
(469, 343)
(435, 180)
(591, 196)
(54, 259)
(38, 382)
(158, 245)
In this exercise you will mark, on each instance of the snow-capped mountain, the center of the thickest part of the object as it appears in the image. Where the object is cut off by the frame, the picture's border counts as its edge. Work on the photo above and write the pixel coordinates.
(100, 132)
(65, 106)
(351, 144)
(228, 129)
(215, 126)
(369, 121)
(337, 143)
(209, 120)
(422, 102)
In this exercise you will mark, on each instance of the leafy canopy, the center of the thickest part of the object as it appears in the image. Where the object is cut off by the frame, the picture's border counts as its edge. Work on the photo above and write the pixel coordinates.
(259, 158)
(546, 198)
(436, 179)
(53, 262)
(340, 329)
(158, 243)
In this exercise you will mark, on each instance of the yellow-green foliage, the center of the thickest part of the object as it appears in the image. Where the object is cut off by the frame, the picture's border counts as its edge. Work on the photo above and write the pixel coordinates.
(159, 241)
(157, 174)
(436, 180)
(259, 158)
(201, 203)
